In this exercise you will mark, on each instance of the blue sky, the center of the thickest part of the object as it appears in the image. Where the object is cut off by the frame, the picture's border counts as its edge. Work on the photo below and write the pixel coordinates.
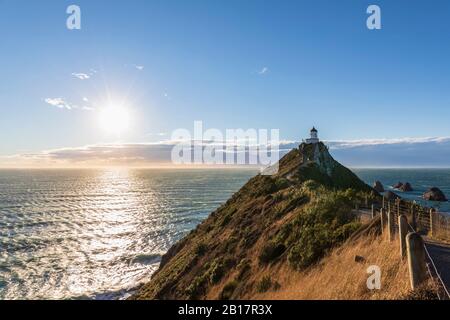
(232, 64)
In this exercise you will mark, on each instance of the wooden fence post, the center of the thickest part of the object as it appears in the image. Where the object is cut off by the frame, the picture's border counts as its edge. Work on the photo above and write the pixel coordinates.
(403, 231)
(398, 207)
(431, 222)
(413, 217)
(373, 211)
(390, 221)
(382, 205)
(383, 219)
(416, 259)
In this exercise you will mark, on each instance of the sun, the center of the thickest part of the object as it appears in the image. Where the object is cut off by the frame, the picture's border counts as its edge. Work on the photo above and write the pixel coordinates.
(114, 119)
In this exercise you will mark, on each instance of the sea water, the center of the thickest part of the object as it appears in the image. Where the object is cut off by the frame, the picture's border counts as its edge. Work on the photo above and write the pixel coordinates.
(98, 234)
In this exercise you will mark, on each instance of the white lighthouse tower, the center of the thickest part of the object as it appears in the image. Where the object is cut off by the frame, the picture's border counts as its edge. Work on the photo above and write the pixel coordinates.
(314, 138)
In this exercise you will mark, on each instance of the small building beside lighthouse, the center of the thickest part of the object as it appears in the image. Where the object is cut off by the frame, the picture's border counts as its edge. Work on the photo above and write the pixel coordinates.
(314, 137)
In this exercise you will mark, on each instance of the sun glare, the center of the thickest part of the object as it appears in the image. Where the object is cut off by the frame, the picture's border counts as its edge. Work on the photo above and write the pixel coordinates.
(114, 119)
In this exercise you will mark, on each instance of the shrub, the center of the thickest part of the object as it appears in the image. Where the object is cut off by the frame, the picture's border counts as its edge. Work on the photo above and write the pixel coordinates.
(346, 230)
(201, 249)
(243, 269)
(323, 224)
(225, 220)
(313, 243)
(271, 251)
(311, 185)
(264, 285)
(197, 287)
(216, 272)
(281, 183)
(228, 290)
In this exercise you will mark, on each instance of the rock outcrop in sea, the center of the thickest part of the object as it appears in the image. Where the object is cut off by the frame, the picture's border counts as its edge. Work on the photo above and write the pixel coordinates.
(391, 196)
(378, 186)
(435, 194)
(406, 187)
(398, 185)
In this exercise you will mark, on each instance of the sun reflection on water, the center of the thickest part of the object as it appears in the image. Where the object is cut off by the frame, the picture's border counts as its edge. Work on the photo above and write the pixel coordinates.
(97, 234)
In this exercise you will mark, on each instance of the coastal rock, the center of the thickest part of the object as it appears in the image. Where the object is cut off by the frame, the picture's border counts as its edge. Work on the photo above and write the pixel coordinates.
(406, 187)
(391, 196)
(398, 185)
(434, 194)
(378, 186)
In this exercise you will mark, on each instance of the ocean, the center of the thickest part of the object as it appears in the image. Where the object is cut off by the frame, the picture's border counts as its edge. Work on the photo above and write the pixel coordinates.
(420, 179)
(98, 234)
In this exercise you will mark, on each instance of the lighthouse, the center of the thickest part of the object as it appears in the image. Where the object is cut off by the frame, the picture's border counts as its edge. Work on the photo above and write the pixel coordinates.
(314, 138)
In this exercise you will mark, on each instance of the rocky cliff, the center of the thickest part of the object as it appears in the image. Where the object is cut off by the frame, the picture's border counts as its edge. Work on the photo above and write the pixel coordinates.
(289, 220)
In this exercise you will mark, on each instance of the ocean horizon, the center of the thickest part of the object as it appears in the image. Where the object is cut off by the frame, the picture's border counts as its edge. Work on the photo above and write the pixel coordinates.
(100, 233)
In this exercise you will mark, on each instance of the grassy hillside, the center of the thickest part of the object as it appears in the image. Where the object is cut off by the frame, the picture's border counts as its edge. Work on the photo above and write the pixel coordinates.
(288, 221)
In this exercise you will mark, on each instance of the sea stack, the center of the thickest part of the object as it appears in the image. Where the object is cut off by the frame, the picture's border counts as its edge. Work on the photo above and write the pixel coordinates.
(391, 196)
(406, 187)
(398, 185)
(435, 194)
(378, 186)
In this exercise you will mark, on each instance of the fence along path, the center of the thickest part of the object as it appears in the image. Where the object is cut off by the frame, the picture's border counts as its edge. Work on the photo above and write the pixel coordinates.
(434, 227)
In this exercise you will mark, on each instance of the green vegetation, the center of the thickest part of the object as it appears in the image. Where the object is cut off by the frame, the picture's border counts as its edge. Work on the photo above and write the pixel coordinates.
(216, 271)
(264, 285)
(197, 288)
(324, 224)
(201, 249)
(271, 251)
(228, 290)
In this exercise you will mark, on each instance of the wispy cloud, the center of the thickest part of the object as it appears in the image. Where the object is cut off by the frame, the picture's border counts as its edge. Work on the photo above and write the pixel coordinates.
(343, 144)
(81, 76)
(263, 71)
(63, 104)
(59, 103)
(140, 68)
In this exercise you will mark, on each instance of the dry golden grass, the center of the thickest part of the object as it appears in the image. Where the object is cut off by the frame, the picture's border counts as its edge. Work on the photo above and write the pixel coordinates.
(338, 276)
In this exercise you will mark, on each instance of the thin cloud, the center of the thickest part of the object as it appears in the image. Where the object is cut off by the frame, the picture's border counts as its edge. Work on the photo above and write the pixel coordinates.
(263, 71)
(140, 68)
(63, 104)
(344, 144)
(81, 76)
(59, 103)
